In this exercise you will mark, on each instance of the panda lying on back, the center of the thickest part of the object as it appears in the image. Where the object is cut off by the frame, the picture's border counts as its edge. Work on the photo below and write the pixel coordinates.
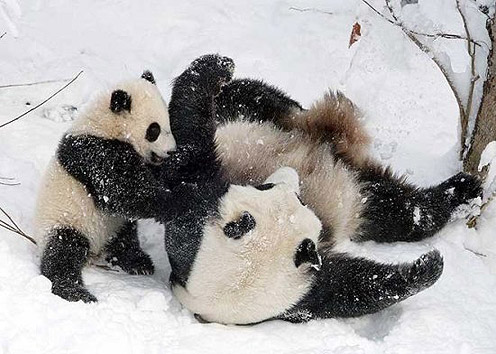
(243, 254)
(99, 182)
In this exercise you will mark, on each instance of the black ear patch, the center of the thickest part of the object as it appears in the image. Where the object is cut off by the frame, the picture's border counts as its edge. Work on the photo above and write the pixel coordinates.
(148, 76)
(307, 253)
(120, 101)
(265, 186)
(236, 229)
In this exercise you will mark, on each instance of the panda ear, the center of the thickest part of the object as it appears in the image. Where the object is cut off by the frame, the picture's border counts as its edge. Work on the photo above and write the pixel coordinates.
(307, 253)
(119, 101)
(148, 76)
(236, 229)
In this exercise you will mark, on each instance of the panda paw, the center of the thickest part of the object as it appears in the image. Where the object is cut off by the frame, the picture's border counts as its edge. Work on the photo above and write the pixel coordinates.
(214, 69)
(134, 262)
(73, 292)
(462, 187)
(424, 272)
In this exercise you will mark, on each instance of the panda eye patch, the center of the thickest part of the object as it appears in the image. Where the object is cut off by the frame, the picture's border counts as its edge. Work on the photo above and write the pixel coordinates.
(265, 186)
(153, 132)
(236, 229)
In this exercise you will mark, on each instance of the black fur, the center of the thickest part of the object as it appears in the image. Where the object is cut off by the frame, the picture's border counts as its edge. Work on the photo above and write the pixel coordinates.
(148, 76)
(349, 287)
(265, 186)
(193, 171)
(120, 101)
(240, 227)
(307, 253)
(253, 100)
(152, 132)
(124, 250)
(398, 211)
(63, 258)
(116, 176)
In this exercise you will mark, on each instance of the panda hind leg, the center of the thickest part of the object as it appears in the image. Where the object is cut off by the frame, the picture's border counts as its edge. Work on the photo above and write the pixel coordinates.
(62, 261)
(124, 250)
(398, 211)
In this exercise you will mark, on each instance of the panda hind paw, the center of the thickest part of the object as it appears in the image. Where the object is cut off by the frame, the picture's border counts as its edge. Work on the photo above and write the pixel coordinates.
(463, 187)
(134, 262)
(73, 292)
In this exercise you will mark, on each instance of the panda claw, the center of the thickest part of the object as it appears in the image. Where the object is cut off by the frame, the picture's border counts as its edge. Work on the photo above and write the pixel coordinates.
(73, 292)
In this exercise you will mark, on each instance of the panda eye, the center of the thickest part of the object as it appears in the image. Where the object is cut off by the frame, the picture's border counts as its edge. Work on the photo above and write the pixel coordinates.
(152, 132)
(301, 200)
(265, 186)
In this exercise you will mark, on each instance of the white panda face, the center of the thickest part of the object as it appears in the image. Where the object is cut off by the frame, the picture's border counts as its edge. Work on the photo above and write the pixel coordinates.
(256, 259)
(134, 112)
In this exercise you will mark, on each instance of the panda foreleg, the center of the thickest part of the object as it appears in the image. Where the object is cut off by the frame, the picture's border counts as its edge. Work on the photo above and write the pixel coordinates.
(253, 100)
(397, 211)
(124, 251)
(62, 261)
(348, 286)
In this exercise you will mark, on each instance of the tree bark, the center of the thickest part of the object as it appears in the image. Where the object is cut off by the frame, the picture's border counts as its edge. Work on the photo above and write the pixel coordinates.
(485, 123)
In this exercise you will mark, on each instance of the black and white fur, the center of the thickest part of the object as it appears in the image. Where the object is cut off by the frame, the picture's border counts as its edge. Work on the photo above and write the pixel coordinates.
(99, 182)
(221, 277)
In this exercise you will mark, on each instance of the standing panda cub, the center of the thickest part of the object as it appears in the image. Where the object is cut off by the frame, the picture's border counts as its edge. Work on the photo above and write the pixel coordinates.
(243, 254)
(99, 182)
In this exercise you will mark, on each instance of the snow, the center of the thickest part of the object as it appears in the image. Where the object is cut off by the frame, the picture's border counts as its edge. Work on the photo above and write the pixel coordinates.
(408, 109)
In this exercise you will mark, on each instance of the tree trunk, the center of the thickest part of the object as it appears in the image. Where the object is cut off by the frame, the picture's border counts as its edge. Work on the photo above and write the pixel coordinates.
(485, 124)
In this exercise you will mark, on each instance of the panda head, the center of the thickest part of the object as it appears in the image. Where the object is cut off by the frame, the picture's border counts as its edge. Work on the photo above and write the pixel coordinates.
(134, 112)
(257, 258)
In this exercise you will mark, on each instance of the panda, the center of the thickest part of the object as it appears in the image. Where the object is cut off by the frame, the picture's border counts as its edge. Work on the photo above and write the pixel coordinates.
(246, 246)
(100, 182)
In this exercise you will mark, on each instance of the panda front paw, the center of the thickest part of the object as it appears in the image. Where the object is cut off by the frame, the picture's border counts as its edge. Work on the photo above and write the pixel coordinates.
(71, 291)
(461, 188)
(214, 69)
(134, 262)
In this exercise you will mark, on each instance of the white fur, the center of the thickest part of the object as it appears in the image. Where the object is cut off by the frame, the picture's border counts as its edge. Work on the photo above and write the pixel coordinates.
(63, 201)
(250, 152)
(252, 278)
(147, 107)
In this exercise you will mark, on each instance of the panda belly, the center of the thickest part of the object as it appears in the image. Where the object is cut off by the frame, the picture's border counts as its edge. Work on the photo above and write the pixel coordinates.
(250, 152)
(64, 202)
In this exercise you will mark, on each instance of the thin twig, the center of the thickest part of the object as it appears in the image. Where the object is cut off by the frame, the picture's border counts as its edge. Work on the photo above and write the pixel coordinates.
(473, 79)
(430, 35)
(13, 227)
(3, 34)
(33, 83)
(42, 103)
(310, 9)
(10, 184)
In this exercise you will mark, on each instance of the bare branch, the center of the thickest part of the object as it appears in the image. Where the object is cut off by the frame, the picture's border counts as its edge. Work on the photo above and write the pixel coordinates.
(2, 35)
(310, 9)
(10, 184)
(33, 83)
(13, 227)
(474, 78)
(436, 35)
(42, 103)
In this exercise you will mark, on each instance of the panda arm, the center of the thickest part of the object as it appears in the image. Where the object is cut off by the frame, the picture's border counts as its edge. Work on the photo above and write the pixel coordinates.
(254, 100)
(349, 286)
(115, 176)
(192, 118)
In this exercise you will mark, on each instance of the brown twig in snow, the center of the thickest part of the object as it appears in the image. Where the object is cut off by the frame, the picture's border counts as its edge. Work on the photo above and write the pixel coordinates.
(33, 83)
(11, 226)
(310, 9)
(42, 103)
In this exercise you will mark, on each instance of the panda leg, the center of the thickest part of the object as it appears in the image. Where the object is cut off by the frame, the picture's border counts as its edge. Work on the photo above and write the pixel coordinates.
(62, 261)
(348, 286)
(398, 211)
(124, 251)
(254, 100)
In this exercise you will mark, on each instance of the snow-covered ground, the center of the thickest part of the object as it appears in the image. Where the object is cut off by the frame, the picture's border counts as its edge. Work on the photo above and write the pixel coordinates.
(408, 107)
